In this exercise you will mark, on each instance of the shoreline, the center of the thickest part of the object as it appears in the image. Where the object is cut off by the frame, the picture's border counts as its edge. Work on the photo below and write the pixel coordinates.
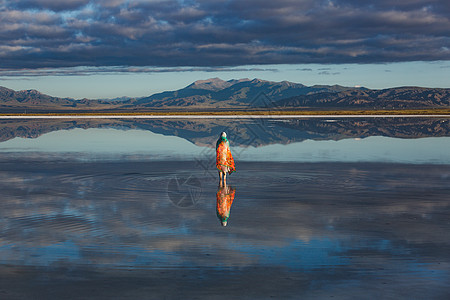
(219, 116)
(231, 114)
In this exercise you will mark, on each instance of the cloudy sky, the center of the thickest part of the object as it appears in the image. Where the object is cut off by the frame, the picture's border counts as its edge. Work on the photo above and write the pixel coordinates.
(136, 47)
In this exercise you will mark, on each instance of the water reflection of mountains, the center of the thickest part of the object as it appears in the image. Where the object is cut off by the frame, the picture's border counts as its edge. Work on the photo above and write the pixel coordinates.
(246, 132)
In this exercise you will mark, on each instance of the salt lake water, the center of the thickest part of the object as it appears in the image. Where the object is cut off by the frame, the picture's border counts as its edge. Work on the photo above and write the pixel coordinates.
(348, 208)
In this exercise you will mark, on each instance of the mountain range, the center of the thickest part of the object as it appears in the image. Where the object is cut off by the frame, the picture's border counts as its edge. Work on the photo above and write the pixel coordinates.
(242, 94)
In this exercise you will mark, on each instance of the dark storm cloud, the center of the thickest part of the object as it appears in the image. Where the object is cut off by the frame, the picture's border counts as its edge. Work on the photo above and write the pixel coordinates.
(168, 33)
(49, 4)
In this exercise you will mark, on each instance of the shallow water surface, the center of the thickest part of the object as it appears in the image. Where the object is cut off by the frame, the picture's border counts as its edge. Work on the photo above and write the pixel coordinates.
(142, 223)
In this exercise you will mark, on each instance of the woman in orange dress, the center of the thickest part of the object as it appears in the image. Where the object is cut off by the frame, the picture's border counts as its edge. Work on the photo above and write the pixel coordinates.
(224, 159)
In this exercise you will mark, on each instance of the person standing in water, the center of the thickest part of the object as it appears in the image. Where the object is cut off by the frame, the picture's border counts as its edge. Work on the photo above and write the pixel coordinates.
(224, 159)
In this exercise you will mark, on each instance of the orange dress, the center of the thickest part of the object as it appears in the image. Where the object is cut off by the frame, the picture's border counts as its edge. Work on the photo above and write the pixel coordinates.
(224, 157)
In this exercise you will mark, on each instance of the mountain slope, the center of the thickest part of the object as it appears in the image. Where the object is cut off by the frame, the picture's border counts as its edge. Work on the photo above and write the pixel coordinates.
(403, 97)
(32, 100)
(31, 97)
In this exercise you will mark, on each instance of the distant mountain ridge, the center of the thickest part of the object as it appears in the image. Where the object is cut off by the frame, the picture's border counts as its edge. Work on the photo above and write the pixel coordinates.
(217, 93)
(31, 97)
(403, 97)
(33, 100)
(238, 94)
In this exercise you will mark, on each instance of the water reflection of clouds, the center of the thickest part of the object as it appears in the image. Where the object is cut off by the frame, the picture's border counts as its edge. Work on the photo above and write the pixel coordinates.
(124, 218)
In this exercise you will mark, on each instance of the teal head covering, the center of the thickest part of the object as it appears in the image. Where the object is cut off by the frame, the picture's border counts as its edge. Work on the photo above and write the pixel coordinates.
(223, 137)
(223, 219)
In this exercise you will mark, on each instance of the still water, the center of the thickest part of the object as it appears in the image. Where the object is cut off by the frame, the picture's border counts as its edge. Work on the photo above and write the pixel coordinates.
(122, 209)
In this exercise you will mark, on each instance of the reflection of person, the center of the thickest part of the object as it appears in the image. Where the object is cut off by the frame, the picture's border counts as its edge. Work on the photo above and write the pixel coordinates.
(225, 196)
(224, 159)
